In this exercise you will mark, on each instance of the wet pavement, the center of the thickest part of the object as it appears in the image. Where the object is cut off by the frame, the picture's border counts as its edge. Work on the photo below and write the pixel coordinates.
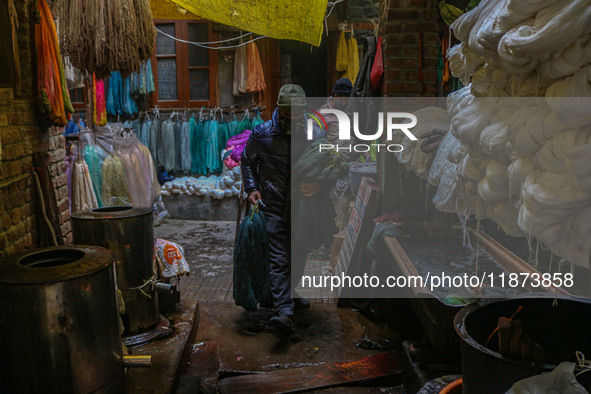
(209, 247)
(231, 342)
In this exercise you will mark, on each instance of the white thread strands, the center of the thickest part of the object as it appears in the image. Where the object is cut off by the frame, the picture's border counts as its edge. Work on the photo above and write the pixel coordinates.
(522, 162)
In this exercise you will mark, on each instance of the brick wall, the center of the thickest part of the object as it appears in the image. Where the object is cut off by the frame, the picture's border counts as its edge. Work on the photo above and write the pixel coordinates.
(20, 138)
(401, 23)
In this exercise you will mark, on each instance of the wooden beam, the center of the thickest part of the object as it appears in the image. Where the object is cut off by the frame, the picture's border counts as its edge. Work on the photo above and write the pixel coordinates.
(314, 377)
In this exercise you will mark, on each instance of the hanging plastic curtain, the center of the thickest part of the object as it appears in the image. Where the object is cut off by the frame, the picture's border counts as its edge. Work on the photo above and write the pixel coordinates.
(99, 104)
(255, 81)
(51, 81)
(353, 66)
(342, 53)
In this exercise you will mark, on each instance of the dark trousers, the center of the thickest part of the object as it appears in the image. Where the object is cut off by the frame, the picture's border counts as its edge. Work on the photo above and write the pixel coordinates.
(282, 269)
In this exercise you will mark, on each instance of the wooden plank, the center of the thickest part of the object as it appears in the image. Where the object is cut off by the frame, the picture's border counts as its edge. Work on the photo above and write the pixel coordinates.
(315, 377)
(358, 233)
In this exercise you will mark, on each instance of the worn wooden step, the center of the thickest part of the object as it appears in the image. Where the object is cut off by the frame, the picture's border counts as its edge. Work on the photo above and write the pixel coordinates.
(314, 377)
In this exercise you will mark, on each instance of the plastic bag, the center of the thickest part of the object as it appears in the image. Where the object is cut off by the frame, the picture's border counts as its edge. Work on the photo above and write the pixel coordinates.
(170, 259)
(560, 380)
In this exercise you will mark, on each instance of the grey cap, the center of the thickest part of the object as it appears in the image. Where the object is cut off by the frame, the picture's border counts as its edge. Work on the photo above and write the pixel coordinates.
(291, 94)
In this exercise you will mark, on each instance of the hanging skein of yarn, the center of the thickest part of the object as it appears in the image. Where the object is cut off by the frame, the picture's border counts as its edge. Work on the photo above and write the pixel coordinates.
(554, 27)
(569, 61)
(572, 102)
(255, 81)
(99, 102)
(440, 163)
(578, 162)
(353, 62)
(342, 59)
(240, 71)
(102, 36)
(412, 156)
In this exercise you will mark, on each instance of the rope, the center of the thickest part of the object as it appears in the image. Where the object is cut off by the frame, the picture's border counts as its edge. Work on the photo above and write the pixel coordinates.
(200, 44)
(150, 281)
(42, 205)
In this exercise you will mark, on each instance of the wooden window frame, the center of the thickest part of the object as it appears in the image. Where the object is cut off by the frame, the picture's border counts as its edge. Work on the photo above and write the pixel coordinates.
(82, 104)
(181, 29)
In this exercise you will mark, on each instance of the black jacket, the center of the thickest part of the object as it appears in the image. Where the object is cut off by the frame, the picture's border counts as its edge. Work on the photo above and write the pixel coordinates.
(266, 162)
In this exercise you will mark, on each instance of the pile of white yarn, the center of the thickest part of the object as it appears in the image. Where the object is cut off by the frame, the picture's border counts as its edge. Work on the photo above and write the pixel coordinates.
(522, 162)
(226, 185)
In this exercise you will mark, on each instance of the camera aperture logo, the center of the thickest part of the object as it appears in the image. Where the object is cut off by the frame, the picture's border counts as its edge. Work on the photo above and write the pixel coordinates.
(393, 125)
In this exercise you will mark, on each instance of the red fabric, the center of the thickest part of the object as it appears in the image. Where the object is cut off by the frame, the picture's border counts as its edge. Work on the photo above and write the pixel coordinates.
(377, 70)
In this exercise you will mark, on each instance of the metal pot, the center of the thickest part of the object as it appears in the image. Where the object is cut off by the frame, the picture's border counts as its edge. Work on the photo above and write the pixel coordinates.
(59, 325)
(561, 330)
(129, 233)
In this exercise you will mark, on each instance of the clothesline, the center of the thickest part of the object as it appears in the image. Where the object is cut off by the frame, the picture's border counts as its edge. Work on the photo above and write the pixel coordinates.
(199, 44)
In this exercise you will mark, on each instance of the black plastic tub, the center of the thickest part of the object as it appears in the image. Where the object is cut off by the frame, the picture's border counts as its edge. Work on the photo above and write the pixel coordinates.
(562, 328)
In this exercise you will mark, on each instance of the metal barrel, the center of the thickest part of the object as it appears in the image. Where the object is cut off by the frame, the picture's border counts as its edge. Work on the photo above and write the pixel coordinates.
(59, 326)
(129, 233)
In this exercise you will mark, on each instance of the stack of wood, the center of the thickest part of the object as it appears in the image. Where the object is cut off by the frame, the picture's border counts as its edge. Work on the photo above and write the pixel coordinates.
(514, 344)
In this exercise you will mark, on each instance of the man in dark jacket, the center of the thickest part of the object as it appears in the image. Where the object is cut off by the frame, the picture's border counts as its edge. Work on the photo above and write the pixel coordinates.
(266, 173)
